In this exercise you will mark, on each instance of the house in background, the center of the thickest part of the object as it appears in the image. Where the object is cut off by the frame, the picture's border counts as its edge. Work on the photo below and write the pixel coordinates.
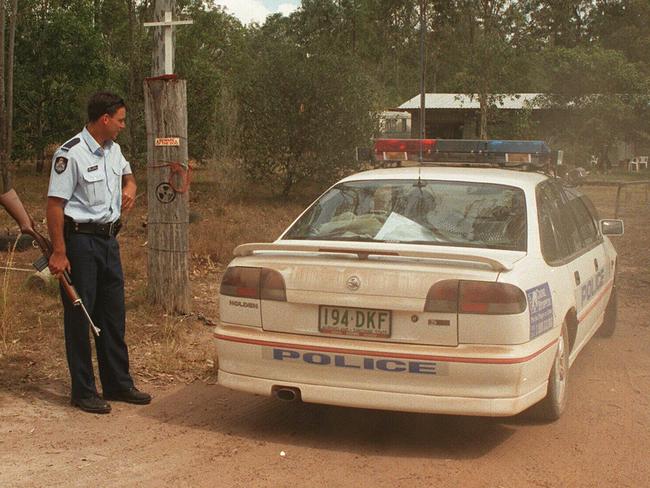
(456, 115)
(395, 124)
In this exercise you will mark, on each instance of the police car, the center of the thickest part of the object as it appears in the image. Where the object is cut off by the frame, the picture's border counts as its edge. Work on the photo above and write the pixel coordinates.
(466, 284)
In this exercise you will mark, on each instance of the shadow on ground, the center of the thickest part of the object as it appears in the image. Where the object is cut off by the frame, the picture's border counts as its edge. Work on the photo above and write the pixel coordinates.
(359, 431)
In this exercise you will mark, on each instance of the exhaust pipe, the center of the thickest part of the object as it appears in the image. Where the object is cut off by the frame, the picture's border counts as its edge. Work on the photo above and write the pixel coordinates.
(286, 393)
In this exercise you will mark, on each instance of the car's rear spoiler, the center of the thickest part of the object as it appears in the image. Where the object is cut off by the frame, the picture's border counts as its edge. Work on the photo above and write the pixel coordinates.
(363, 253)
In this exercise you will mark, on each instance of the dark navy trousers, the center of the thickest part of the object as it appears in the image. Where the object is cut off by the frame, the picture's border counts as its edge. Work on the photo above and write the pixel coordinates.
(97, 276)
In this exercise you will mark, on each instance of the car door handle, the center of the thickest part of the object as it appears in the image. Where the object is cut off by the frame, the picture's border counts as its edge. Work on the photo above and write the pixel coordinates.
(576, 275)
(596, 263)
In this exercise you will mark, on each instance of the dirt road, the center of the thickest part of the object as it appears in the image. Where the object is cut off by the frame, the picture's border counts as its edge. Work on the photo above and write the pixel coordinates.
(202, 435)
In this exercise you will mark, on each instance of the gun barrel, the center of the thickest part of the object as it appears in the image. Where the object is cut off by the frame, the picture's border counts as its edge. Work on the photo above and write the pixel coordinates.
(96, 330)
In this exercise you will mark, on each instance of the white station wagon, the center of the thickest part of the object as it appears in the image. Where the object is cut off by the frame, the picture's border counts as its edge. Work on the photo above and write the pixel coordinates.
(464, 287)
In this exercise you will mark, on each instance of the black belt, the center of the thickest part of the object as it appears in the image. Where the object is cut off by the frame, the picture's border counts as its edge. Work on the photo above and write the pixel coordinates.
(109, 229)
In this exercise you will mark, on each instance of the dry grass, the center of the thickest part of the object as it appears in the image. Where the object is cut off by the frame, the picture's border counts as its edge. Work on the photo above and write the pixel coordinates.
(5, 313)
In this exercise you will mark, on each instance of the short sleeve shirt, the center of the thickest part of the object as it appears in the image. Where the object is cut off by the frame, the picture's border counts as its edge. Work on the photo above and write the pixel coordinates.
(89, 177)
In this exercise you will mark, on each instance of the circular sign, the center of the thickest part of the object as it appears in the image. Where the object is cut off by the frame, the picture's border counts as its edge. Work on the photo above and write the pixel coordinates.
(165, 193)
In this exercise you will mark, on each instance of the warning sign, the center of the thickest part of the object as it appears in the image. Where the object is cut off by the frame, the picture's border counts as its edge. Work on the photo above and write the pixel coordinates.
(167, 141)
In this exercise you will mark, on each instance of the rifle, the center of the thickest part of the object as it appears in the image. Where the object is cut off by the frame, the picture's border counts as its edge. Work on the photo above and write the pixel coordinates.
(14, 207)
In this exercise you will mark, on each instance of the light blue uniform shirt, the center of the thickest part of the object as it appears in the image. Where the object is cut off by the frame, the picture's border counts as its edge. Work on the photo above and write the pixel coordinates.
(89, 178)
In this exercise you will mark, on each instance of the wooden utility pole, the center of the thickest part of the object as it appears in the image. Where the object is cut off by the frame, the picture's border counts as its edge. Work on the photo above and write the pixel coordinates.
(423, 111)
(167, 171)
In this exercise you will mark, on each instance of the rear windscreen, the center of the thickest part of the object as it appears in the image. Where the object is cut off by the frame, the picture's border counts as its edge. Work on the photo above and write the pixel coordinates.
(418, 212)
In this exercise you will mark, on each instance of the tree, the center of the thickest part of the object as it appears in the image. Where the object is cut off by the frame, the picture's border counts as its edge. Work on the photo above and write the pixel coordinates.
(563, 23)
(490, 64)
(600, 98)
(303, 111)
(211, 54)
(8, 12)
(59, 62)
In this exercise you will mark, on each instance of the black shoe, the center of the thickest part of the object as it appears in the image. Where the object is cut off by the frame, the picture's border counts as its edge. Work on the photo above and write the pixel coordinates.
(92, 404)
(132, 395)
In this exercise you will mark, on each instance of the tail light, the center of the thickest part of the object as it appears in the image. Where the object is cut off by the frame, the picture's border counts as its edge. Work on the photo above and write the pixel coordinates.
(475, 297)
(484, 297)
(272, 286)
(443, 297)
(241, 282)
(256, 283)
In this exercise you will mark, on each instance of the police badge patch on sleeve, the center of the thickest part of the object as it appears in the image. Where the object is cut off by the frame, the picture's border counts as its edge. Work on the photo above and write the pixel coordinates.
(60, 164)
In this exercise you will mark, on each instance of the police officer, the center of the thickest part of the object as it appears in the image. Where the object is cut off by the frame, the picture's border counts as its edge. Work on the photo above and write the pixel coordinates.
(91, 183)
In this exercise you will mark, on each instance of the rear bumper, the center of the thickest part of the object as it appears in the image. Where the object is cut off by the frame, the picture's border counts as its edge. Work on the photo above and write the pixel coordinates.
(464, 380)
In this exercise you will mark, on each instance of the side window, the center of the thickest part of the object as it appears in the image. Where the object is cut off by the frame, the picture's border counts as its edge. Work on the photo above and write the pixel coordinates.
(550, 249)
(551, 227)
(590, 206)
(568, 224)
(586, 223)
(592, 210)
(582, 218)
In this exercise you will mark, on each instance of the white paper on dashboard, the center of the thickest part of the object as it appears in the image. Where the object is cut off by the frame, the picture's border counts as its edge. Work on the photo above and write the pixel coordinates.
(400, 228)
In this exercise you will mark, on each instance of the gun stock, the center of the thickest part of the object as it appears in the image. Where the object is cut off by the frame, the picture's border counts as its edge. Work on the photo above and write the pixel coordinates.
(14, 207)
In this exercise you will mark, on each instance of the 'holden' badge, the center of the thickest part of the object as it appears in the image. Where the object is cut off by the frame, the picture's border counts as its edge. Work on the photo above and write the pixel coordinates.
(353, 283)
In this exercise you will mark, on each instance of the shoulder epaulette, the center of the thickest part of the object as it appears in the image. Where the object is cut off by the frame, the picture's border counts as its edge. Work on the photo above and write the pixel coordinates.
(71, 143)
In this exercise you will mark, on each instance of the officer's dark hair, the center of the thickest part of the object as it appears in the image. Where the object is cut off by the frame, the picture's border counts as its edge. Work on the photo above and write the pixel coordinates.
(103, 103)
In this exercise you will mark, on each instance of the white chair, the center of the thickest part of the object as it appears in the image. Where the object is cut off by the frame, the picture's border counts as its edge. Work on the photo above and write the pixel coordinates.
(643, 160)
(633, 165)
(594, 161)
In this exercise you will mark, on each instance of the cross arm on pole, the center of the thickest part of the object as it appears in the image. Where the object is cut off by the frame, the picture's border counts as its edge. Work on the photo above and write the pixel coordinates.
(167, 26)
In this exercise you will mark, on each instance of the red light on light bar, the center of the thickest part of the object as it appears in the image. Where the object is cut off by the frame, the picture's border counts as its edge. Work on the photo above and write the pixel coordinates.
(385, 148)
(404, 145)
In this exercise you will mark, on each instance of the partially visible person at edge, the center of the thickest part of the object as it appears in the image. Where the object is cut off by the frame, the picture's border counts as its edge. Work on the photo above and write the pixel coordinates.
(91, 183)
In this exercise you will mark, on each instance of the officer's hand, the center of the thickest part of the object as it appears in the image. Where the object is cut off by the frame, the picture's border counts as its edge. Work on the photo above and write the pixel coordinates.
(128, 199)
(58, 264)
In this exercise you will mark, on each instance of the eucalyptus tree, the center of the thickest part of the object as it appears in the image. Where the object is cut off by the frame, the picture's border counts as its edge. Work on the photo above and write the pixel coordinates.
(8, 19)
(304, 108)
(211, 55)
(489, 61)
(59, 62)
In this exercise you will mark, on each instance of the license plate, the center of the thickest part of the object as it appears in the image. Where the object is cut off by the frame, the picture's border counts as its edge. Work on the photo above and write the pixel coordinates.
(362, 322)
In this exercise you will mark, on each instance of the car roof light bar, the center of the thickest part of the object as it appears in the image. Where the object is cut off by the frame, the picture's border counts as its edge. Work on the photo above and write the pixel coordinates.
(465, 151)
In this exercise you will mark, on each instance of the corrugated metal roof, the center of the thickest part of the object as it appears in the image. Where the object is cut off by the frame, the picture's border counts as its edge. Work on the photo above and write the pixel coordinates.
(466, 101)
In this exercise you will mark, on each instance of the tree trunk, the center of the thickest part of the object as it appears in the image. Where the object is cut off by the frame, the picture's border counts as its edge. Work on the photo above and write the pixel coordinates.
(483, 100)
(9, 115)
(40, 162)
(4, 167)
(134, 62)
(166, 116)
